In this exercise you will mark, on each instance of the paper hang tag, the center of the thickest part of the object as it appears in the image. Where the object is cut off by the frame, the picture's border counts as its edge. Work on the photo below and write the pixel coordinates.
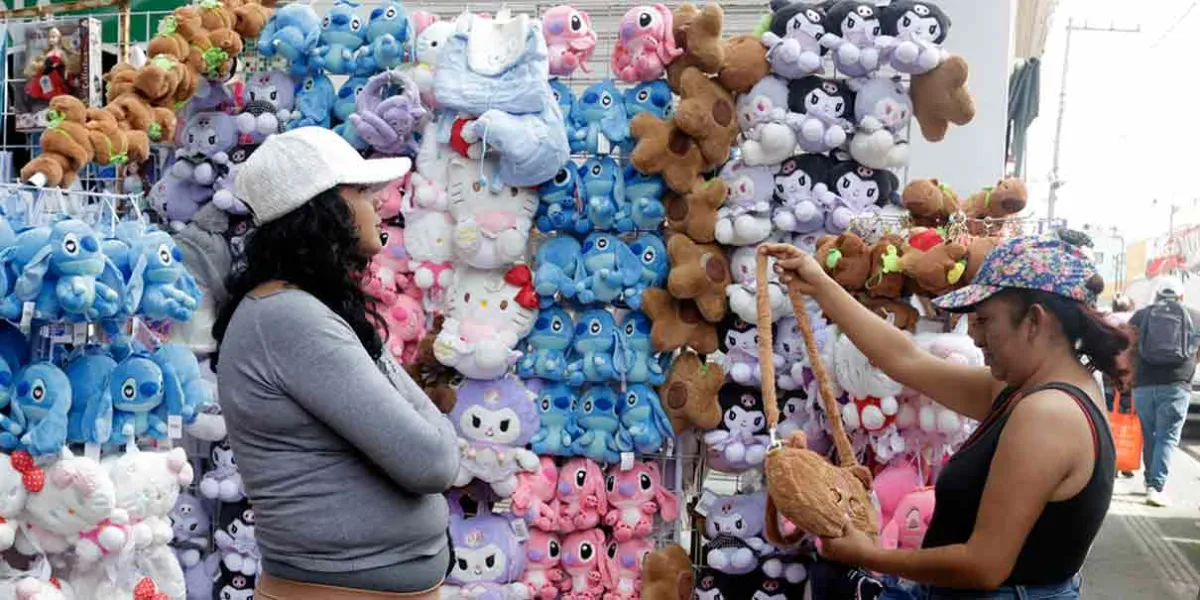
(520, 530)
(502, 507)
(706, 500)
(627, 459)
(61, 333)
(80, 334)
(26, 317)
(175, 427)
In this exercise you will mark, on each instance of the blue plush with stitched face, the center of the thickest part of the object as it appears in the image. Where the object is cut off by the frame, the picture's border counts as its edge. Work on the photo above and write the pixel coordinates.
(602, 182)
(293, 32)
(652, 97)
(41, 403)
(135, 389)
(595, 348)
(609, 268)
(160, 284)
(386, 36)
(566, 104)
(184, 392)
(62, 274)
(557, 210)
(558, 265)
(342, 34)
(344, 106)
(643, 201)
(599, 110)
(314, 101)
(643, 418)
(548, 346)
(90, 418)
(642, 364)
(558, 432)
(602, 440)
(655, 265)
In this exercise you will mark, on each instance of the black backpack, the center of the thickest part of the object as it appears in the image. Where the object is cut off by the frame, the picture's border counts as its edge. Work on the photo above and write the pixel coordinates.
(1165, 335)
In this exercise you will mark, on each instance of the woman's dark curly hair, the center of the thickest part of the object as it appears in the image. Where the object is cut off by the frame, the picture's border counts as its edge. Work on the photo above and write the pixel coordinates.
(312, 248)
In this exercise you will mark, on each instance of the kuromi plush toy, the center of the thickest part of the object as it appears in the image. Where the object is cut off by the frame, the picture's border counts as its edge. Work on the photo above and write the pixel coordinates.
(742, 293)
(739, 344)
(734, 528)
(793, 41)
(858, 190)
(235, 540)
(745, 219)
(882, 111)
(271, 97)
(915, 31)
(762, 117)
(581, 494)
(820, 110)
(645, 44)
(488, 558)
(802, 195)
(570, 39)
(853, 32)
(635, 498)
(495, 420)
(741, 441)
(489, 312)
(222, 481)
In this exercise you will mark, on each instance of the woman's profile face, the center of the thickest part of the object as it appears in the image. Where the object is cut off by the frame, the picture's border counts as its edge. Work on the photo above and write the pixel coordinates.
(1002, 338)
(364, 213)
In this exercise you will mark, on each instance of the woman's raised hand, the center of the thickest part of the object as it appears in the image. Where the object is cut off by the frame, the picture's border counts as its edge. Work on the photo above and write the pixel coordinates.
(794, 264)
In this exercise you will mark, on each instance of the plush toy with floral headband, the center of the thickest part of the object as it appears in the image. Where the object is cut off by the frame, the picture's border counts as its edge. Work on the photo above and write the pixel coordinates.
(820, 498)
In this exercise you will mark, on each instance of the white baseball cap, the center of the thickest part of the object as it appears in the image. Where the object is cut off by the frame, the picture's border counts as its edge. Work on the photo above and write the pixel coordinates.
(1168, 286)
(289, 169)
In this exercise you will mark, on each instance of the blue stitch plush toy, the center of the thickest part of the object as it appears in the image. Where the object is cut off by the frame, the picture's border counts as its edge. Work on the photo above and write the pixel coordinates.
(41, 402)
(314, 102)
(557, 433)
(293, 32)
(651, 252)
(609, 268)
(14, 355)
(181, 375)
(135, 391)
(643, 206)
(90, 418)
(549, 345)
(642, 364)
(557, 210)
(599, 111)
(595, 346)
(566, 104)
(342, 34)
(386, 36)
(159, 284)
(61, 276)
(603, 439)
(644, 419)
(602, 183)
(14, 258)
(558, 265)
(652, 97)
(343, 107)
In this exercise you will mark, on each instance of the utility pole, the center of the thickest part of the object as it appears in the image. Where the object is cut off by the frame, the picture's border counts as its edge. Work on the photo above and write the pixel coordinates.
(1055, 181)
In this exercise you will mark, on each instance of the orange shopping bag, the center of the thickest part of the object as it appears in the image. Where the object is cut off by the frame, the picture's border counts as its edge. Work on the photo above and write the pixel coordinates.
(1127, 435)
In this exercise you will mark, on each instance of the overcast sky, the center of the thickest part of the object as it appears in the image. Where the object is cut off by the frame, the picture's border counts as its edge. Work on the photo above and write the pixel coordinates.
(1125, 143)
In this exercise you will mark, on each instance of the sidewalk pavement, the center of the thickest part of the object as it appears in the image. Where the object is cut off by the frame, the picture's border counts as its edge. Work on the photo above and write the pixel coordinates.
(1147, 552)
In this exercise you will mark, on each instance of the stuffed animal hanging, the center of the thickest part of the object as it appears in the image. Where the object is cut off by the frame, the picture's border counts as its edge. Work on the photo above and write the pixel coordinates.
(388, 113)
(543, 560)
(639, 362)
(602, 439)
(489, 312)
(602, 185)
(570, 39)
(802, 194)
(853, 29)
(536, 499)
(644, 420)
(652, 253)
(645, 44)
(609, 268)
(819, 112)
(635, 497)
(621, 568)
(558, 265)
(557, 210)
(292, 33)
(583, 559)
(549, 345)
(737, 345)
(494, 420)
(741, 293)
(762, 116)
(581, 495)
(489, 560)
(222, 481)
(734, 528)
(794, 40)
(492, 226)
(643, 201)
(914, 33)
(882, 109)
(741, 441)
(386, 37)
(75, 508)
(596, 354)
(557, 430)
(745, 219)
(342, 34)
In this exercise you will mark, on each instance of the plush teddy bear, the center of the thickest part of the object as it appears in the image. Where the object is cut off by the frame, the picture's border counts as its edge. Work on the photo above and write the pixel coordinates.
(667, 574)
(695, 213)
(886, 279)
(699, 272)
(940, 97)
(977, 250)
(698, 32)
(745, 64)
(1006, 198)
(251, 18)
(677, 323)
(664, 148)
(706, 111)
(65, 144)
(847, 258)
(937, 270)
(929, 202)
(690, 394)
(165, 80)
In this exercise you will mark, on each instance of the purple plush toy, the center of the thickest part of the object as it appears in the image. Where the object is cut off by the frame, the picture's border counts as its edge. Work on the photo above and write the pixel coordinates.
(495, 420)
(388, 113)
(489, 557)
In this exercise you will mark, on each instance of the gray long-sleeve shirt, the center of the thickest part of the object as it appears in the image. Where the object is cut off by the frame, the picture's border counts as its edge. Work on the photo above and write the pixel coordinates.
(344, 465)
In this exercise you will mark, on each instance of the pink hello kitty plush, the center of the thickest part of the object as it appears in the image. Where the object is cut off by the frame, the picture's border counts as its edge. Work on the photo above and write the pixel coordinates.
(634, 497)
(581, 494)
(583, 555)
(535, 499)
(543, 572)
(570, 39)
(645, 44)
(622, 568)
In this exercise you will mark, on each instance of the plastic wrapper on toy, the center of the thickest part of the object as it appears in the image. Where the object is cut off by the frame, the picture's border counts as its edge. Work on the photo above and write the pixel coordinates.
(570, 39)
(472, 77)
(495, 420)
(645, 44)
(292, 33)
(492, 226)
(793, 40)
(489, 557)
(558, 268)
(740, 442)
(489, 311)
(635, 498)
(733, 526)
(745, 219)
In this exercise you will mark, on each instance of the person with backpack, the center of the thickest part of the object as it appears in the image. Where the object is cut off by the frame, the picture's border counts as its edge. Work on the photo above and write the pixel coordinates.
(1168, 335)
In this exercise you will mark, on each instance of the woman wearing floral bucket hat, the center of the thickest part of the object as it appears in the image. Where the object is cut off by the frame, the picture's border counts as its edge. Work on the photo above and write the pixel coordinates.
(1019, 505)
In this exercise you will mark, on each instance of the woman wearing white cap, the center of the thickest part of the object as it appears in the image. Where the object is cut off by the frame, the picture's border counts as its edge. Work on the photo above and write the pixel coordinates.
(343, 457)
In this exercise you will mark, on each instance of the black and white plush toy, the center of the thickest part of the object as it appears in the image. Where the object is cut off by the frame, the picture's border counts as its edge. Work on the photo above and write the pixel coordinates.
(859, 190)
(822, 112)
(741, 441)
(233, 586)
(235, 539)
(852, 31)
(913, 35)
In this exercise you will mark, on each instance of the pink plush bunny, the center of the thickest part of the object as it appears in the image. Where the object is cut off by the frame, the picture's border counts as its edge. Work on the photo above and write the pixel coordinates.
(570, 39)
(622, 568)
(581, 492)
(543, 573)
(405, 319)
(534, 498)
(645, 44)
(635, 496)
(583, 557)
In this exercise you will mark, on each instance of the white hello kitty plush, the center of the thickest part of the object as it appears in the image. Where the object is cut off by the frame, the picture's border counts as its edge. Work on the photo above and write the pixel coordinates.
(18, 477)
(489, 312)
(76, 508)
(429, 227)
(36, 589)
(874, 403)
(492, 225)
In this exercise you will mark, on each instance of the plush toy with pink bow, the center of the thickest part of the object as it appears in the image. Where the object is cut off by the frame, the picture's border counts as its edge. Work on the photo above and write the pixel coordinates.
(570, 39)
(634, 498)
(645, 44)
(582, 497)
(489, 312)
(622, 568)
(543, 571)
(76, 508)
(535, 498)
(583, 557)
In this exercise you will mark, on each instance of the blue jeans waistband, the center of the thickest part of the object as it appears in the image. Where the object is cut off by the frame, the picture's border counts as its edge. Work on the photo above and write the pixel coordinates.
(1067, 590)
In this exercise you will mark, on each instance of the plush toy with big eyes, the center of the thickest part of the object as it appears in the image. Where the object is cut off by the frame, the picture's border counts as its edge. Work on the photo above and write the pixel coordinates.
(762, 117)
(342, 34)
(915, 31)
(858, 190)
(643, 201)
(802, 195)
(609, 268)
(635, 497)
(557, 430)
(745, 219)
(603, 439)
(793, 41)
(734, 528)
(556, 209)
(641, 364)
(882, 111)
(853, 29)
(651, 251)
(488, 557)
(622, 568)
(292, 33)
(494, 420)
(644, 419)
(740, 442)
(549, 345)
(599, 111)
(581, 496)
(570, 39)
(596, 351)
(743, 292)
(543, 570)
(645, 45)
(602, 185)
(739, 345)
(558, 264)
(820, 112)
(583, 556)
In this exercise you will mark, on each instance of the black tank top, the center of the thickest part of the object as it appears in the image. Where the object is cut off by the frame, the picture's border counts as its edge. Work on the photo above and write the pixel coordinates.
(1060, 539)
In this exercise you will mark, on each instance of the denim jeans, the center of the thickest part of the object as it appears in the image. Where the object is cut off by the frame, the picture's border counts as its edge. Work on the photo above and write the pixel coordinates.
(1067, 590)
(1162, 409)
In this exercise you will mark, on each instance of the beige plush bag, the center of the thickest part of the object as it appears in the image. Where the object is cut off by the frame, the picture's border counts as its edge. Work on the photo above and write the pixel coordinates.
(816, 496)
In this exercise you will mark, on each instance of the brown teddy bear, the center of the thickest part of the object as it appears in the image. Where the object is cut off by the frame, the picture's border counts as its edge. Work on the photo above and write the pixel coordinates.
(667, 574)
(109, 143)
(706, 112)
(938, 270)
(677, 323)
(120, 81)
(65, 144)
(251, 18)
(1006, 198)
(214, 16)
(940, 97)
(694, 214)
(903, 315)
(745, 64)
(131, 112)
(699, 272)
(977, 250)
(163, 128)
(663, 148)
(437, 380)
(886, 279)
(689, 396)
(847, 258)
(189, 22)
(171, 44)
(929, 202)
(698, 34)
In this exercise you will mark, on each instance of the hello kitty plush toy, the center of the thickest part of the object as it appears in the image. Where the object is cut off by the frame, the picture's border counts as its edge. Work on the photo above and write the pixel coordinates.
(147, 485)
(645, 44)
(583, 554)
(635, 496)
(581, 494)
(492, 226)
(543, 559)
(489, 312)
(621, 568)
(76, 508)
(428, 238)
(432, 34)
(535, 497)
(570, 39)
(873, 402)
(19, 477)
(495, 420)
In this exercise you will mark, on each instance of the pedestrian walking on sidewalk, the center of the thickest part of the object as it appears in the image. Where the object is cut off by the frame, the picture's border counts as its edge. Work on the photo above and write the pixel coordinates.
(1122, 309)
(1168, 335)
